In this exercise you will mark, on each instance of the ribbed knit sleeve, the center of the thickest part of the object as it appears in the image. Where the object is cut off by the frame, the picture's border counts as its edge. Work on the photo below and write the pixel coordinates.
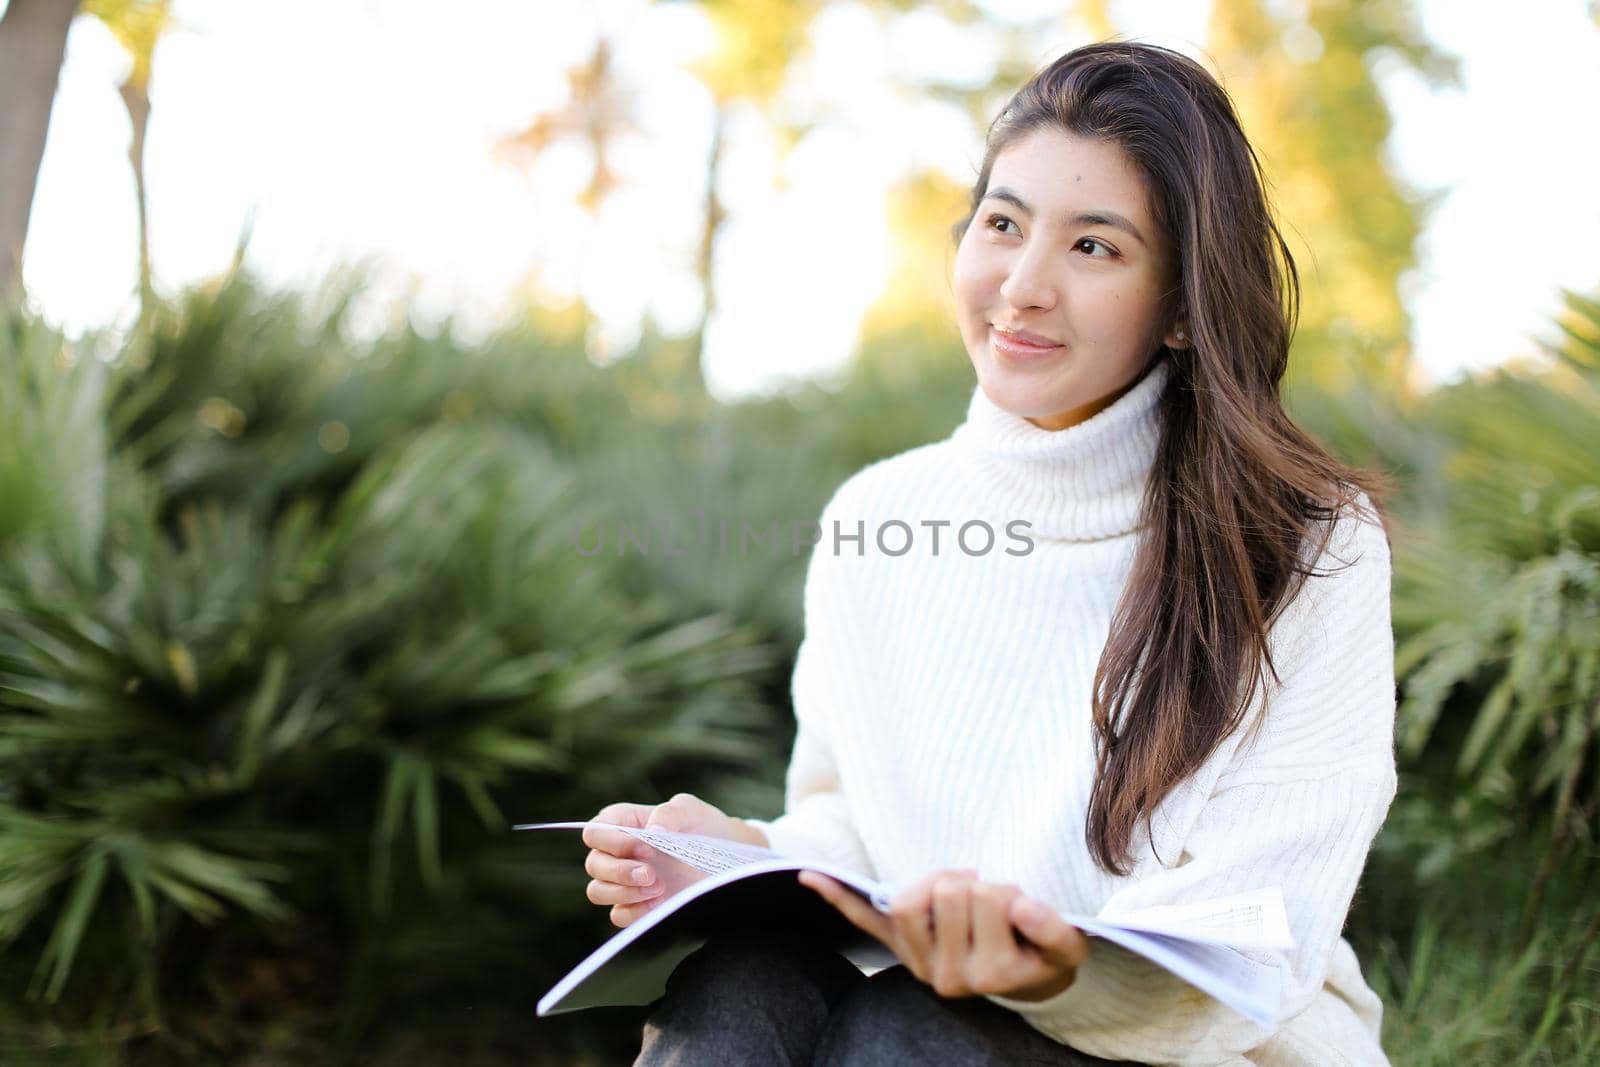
(817, 820)
(1295, 805)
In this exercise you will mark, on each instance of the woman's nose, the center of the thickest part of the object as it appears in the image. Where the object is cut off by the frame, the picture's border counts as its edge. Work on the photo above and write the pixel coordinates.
(1028, 284)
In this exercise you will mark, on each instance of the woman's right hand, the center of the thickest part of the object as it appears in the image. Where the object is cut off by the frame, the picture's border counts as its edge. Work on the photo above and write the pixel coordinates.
(628, 875)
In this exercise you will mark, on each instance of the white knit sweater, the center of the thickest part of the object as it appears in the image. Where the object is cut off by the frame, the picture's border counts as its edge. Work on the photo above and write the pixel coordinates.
(943, 705)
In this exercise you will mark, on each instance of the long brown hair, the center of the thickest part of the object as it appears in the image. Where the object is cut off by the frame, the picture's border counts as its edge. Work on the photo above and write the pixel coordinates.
(1238, 493)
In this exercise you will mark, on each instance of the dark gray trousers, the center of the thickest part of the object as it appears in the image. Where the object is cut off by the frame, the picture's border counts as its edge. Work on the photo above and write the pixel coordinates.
(747, 999)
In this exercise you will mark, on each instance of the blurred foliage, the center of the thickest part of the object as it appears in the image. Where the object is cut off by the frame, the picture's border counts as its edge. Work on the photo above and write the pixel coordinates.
(1460, 983)
(138, 26)
(1480, 888)
(1498, 610)
(597, 113)
(1304, 79)
(917, 308)
(292, 626)
(755, 43)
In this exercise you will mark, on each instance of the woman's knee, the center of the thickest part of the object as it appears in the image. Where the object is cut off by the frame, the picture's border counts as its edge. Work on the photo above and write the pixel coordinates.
(736, 967)
(897, 1019)
(887, 1020)
(746, 999)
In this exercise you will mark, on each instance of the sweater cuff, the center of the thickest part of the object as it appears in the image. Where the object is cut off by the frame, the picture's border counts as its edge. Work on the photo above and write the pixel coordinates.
(1115, 988)
(799, 836)
(1124, 1007)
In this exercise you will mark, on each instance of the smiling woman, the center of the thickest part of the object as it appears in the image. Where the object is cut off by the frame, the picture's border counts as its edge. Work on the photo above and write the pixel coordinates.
(1184, 692)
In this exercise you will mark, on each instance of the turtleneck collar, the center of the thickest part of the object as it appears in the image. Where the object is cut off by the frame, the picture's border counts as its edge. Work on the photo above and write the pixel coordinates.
(1083, 483)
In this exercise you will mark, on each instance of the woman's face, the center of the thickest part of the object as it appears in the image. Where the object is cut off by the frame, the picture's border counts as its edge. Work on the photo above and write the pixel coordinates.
(1063, 250)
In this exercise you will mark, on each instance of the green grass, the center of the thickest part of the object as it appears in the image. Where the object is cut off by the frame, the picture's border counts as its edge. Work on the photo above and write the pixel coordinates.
(1476, 967)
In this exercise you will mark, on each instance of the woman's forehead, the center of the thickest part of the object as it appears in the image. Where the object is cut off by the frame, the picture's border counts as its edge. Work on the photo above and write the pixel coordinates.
(1057, 173)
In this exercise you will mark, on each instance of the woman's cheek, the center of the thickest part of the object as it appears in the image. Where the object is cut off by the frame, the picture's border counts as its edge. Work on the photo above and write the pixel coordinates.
(964, 286)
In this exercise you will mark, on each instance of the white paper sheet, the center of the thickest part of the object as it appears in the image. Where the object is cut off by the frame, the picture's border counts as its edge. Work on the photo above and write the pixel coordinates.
(1246, 920)
(713, 855)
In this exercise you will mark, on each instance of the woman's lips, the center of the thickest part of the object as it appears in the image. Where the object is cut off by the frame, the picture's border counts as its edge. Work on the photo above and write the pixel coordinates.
(1018, 347)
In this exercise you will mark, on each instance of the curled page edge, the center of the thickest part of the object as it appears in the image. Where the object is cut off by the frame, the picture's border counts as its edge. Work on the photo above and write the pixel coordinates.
(1250, 988)
(1190, 921)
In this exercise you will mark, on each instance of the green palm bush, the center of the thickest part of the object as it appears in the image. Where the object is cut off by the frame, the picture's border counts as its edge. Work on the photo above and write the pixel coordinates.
(292, 625)
(1477, 910)
(291, 629)
(1499, 609)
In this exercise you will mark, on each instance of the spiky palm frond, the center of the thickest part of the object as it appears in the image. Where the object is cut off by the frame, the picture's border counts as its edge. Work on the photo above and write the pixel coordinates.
(235, 631)
(1499, 608)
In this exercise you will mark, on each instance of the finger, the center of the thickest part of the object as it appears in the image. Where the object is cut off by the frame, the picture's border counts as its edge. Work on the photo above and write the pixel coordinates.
(628, 914)
(609, 893)
(912, 914)
(634, 815)
(1057, 940)
(604, 867)
(680, 813)
(861, 914)
(952, 932)
(994, 941)
(616, 843)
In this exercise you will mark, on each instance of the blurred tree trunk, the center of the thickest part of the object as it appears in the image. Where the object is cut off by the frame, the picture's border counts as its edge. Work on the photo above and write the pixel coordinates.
(705, 258)
(138, 25)
(33, 42)
(136, 96)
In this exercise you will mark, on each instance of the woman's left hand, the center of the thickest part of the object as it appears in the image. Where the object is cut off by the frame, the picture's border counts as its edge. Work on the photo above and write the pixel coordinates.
(961, 936)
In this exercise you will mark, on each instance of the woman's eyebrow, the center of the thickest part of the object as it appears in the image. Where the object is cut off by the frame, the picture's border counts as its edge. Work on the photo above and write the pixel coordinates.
(1094, 217)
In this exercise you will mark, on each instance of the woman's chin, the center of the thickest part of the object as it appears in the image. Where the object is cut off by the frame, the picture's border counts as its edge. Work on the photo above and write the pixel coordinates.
(1023, 396)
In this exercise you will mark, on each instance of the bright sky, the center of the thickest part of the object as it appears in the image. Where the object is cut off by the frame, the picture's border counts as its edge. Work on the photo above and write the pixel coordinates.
(364, 130)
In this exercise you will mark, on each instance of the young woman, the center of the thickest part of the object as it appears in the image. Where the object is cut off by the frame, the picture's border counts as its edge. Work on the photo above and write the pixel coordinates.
(1165, 674)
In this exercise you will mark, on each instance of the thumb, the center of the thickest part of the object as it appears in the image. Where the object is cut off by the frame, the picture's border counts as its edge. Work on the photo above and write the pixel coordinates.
(1057, 940)
(598, 837)
(623, 814)
(680, 814)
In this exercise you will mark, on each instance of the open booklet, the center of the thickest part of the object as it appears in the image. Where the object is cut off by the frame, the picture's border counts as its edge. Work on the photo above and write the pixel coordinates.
(738, 886)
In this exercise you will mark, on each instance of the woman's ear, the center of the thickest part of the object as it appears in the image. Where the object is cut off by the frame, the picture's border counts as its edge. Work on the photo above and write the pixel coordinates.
(1178, 335)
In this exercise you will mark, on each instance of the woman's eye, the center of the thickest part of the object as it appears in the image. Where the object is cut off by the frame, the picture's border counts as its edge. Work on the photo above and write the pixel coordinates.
(992, 219)
(1093, 244)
